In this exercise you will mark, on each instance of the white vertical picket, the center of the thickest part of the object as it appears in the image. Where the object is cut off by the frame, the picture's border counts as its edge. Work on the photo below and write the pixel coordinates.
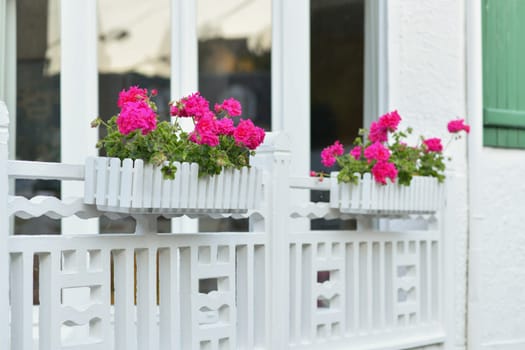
(193, 182)
(184, 170)
(147, 189)
(90, 176)
(169, 314)
(166, 193)
(176, 186)
(202, 192)
(138, 183)
(228, 177)
(260, 304)
(114, 182)
(146, 299)
(125, 334)
(157, 191)
(102, 178)
(22, 301)
(126, 183)
(243, 188)
(235, 189)
(49, 327)
(219, 192)
(186, 286)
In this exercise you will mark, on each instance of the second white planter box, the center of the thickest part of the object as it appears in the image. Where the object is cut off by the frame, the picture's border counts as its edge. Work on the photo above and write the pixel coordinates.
(134, 187)
(422, 196)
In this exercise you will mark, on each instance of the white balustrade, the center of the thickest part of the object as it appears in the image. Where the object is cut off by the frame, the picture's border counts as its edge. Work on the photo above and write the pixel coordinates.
(277, 286)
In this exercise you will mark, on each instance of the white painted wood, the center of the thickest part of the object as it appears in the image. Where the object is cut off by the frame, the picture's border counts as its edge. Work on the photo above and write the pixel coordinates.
(49, 327)
(265, 279)
(147, 334)
(125, 329)
(169, 308)
(78, 95)
(21, 301)
(185, 192)
(376, 82)
(44, 170)
(4, 222)
(422, 196)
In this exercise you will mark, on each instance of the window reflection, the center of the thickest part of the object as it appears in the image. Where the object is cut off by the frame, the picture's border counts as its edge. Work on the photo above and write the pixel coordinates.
(235, 61)
(337, 73)
(38, 101)
(133, 49)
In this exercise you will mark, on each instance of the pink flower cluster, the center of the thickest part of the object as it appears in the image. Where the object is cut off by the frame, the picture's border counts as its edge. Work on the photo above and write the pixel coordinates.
(231, 106)
(329, 154)
(433, 145)
(136, 112)
(383, 170)
(208, 128)
(193, 105)
(455, 126)
(387, 122)
(380, 158)
(377, 151)
(133, 94)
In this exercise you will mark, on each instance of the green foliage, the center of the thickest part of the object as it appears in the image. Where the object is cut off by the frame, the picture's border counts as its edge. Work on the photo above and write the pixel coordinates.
(167, 144)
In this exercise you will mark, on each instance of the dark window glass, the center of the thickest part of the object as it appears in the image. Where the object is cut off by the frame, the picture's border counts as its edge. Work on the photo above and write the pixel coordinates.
(235, 61)
(337, 73)
(134, 49)
(37, 102)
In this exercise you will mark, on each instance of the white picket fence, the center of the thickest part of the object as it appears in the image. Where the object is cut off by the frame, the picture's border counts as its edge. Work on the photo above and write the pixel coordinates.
(279, 286)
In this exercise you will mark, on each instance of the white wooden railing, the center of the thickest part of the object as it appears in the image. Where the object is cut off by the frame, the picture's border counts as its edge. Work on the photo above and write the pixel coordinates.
(281, 285)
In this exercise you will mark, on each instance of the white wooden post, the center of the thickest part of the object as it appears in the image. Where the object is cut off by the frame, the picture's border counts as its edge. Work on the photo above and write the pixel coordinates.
(78, 96)
(291, 85)
(184, 73)
(4, 225)
(274, 157)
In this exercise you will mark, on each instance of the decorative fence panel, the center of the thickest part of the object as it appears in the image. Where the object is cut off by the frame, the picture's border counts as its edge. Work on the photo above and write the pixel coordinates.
(279, 285)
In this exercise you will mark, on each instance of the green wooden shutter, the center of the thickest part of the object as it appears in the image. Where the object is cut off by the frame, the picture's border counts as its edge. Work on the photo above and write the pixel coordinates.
(504, 73)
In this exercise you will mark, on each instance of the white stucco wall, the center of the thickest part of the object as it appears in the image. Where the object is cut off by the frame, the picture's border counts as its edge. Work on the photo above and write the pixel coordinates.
(427, 85)
(434, 76)
(496, 318)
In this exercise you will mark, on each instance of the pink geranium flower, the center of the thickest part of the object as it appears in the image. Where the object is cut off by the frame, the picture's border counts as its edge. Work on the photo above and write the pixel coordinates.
(136, 116)
(231, 106)
(193, 105)
(356, 152)
(329, 153)
(387, 122)
(455, 126)
(377, 151)
(383, 170)
(133, 94)
(248, 134)
(225, 126)
(433, 145)
(205, 132)
(390, 121)
(378, 133)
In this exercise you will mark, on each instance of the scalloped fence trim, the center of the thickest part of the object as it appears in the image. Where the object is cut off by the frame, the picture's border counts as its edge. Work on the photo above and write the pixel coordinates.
(423, 196)
(134, 187)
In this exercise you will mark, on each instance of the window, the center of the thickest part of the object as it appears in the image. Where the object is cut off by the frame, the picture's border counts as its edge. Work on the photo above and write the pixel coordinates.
(503, 73)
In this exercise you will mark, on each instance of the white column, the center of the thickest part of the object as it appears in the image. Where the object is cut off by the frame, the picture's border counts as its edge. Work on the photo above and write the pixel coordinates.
(184, 72)
(78, 96)
(291, 78)
(291, 84)
(376, 61)
(4, 225)
(274, 157)
(474, 78)
(8, 65)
